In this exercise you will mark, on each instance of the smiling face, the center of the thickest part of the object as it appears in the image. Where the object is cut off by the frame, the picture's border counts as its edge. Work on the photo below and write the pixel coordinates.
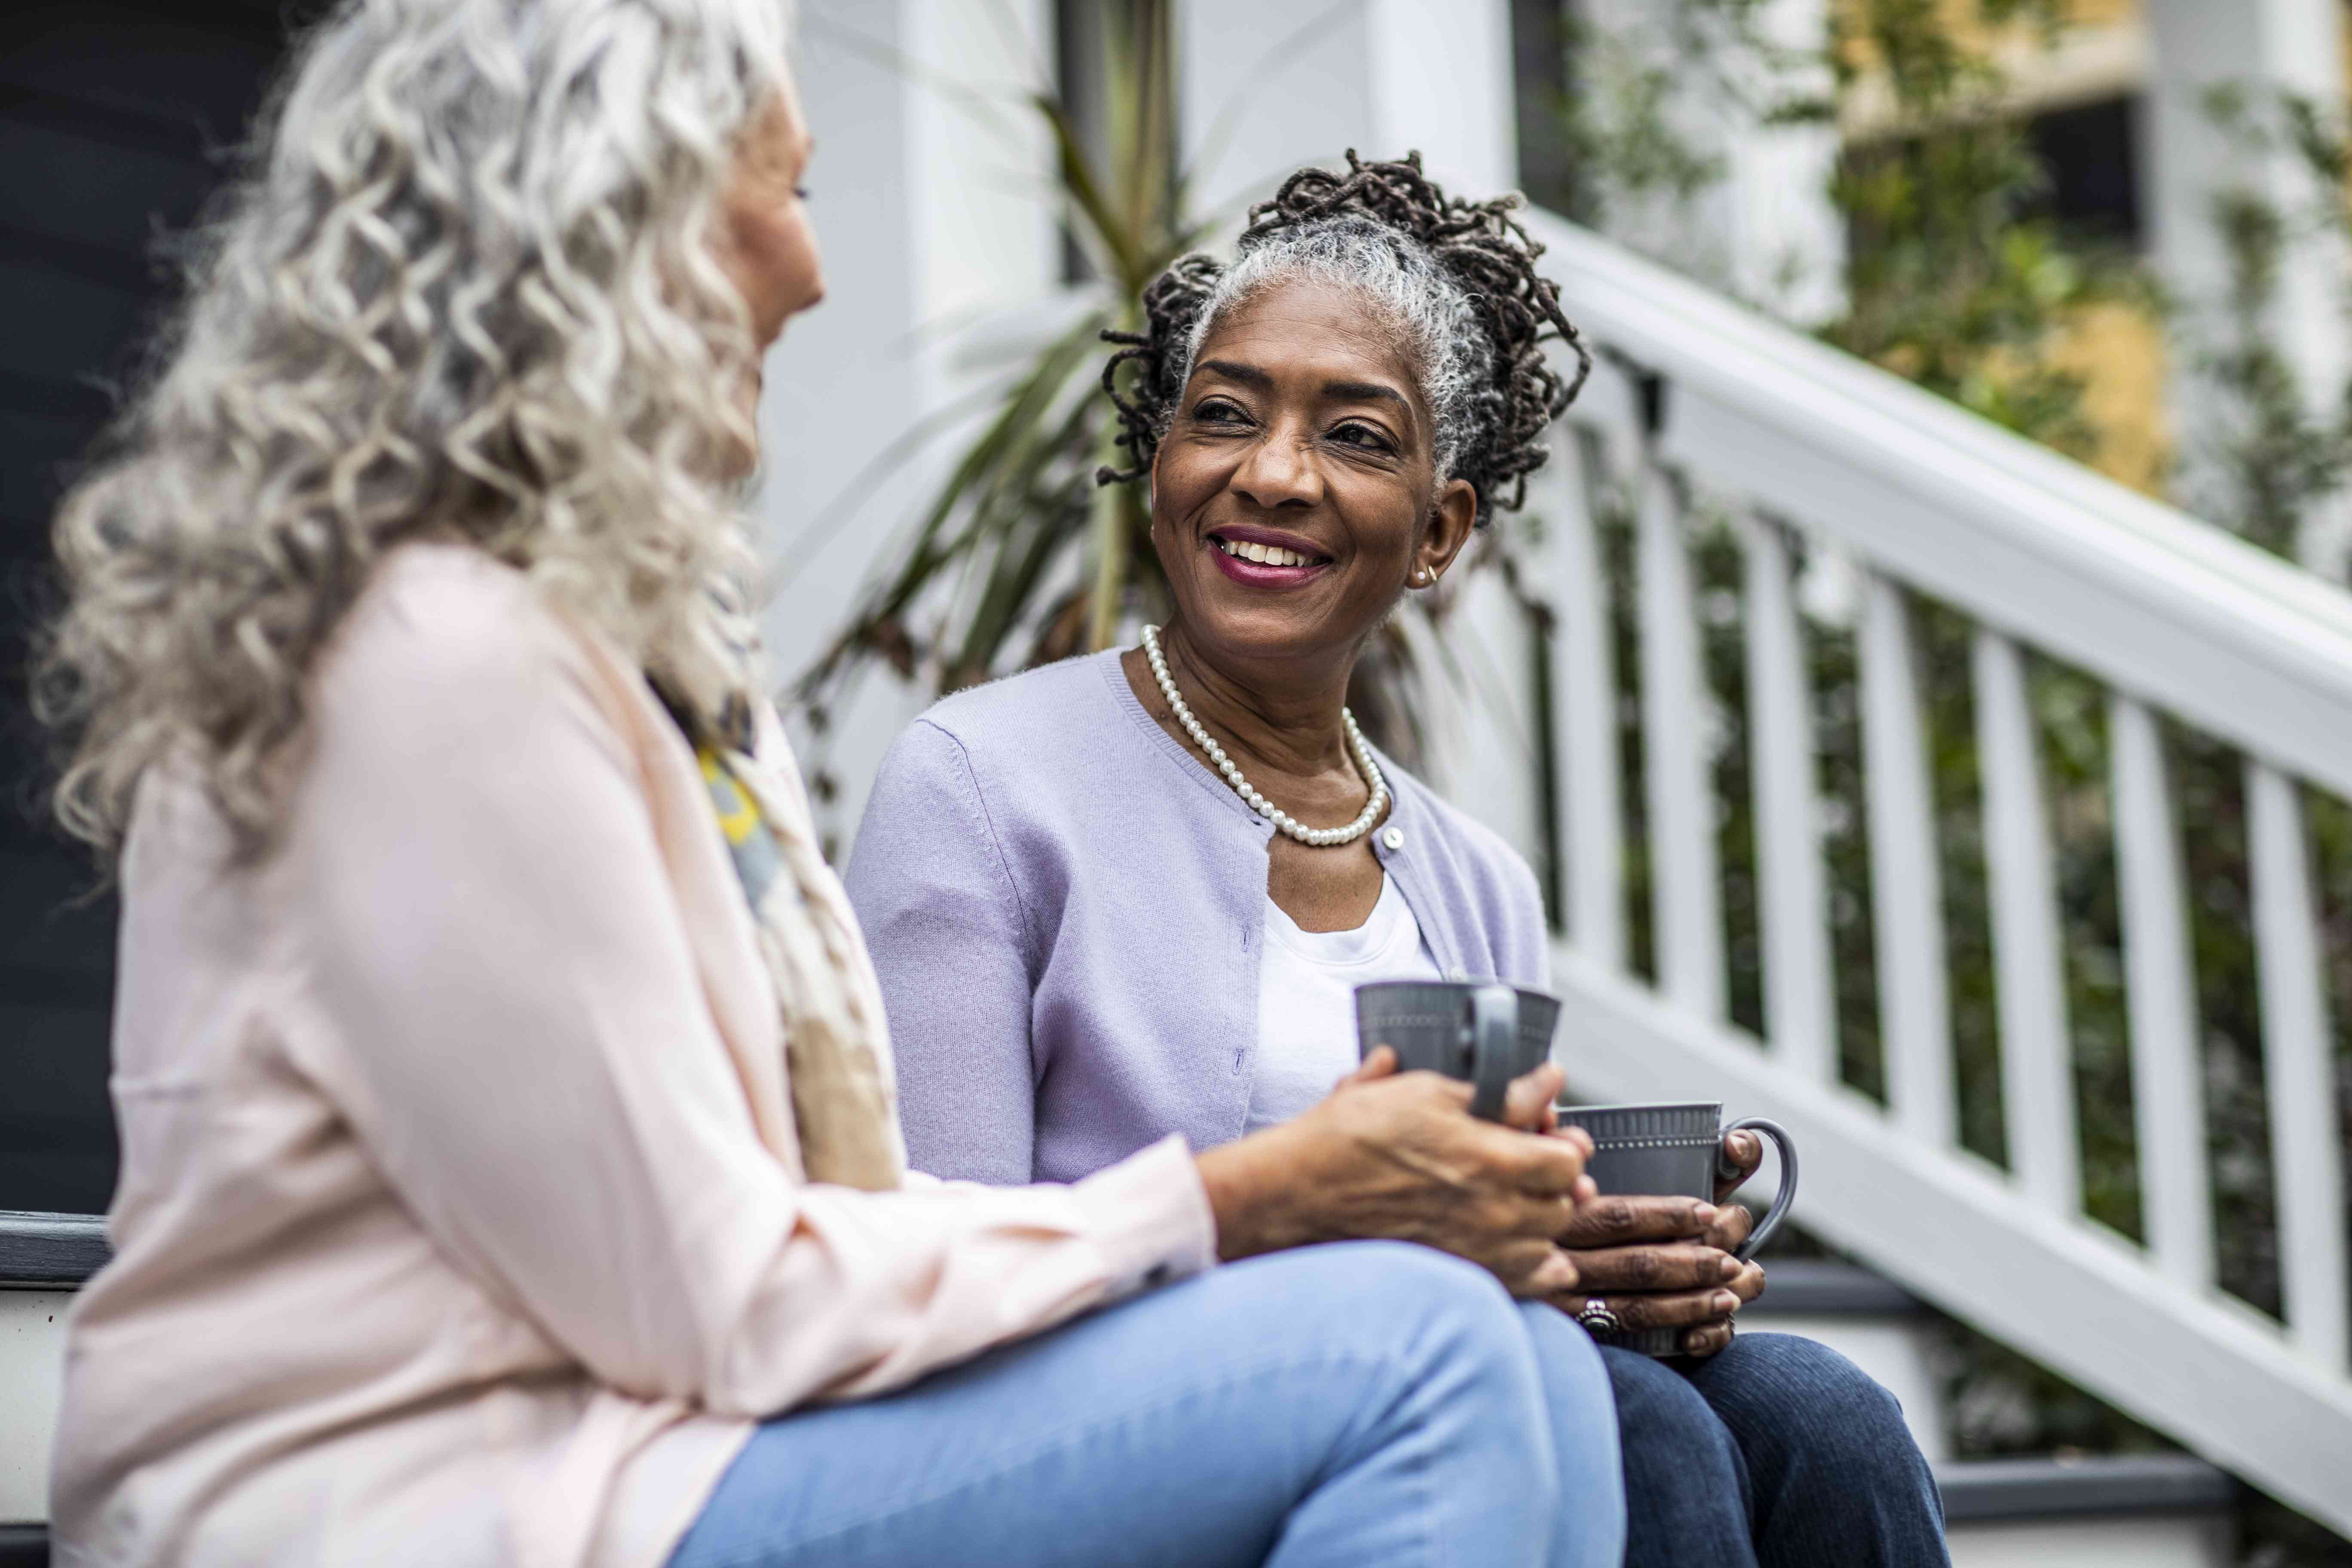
(1295, 495)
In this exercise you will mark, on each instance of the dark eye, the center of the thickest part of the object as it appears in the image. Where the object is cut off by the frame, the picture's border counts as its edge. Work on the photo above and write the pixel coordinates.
(1217, 411)
(1364, 436)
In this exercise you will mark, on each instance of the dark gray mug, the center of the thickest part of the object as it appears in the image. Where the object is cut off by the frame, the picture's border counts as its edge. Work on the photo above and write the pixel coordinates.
(1483, 1031)
(1672, 1151)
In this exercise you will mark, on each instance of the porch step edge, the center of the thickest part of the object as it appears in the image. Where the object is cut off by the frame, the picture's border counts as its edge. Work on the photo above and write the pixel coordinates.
(2028, 1488)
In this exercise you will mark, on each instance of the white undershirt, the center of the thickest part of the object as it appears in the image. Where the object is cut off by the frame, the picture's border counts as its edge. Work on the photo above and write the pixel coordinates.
(1307, 984)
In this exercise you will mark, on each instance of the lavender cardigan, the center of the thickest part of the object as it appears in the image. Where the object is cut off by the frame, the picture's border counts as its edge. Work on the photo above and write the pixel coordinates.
(1066, 911)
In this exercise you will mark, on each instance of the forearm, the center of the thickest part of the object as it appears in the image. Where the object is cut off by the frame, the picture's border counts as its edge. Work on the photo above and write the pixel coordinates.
(1253, 1186)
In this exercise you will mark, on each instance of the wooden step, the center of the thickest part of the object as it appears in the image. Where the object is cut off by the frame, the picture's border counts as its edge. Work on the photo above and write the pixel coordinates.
(2132, 1511)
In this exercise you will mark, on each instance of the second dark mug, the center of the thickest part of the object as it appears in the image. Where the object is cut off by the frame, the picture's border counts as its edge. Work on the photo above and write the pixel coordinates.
(1484, 1033)
(1671, 1151)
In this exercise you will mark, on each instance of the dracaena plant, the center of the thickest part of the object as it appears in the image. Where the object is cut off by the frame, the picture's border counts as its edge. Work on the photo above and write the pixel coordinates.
(1020, 557)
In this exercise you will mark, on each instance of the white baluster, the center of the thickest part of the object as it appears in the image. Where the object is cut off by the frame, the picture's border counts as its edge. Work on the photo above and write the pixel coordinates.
(2037, 1069)
(2298, 1069)
(2159, 984)
(1906, 880)
(1799, 1004)
(1686, 896)
(1587, 758)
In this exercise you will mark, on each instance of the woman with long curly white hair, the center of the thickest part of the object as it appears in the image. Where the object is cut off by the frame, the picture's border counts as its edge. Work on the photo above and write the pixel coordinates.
(511, 1173)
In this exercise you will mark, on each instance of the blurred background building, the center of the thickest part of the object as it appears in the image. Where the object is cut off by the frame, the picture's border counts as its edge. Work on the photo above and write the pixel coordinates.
(1923, 679)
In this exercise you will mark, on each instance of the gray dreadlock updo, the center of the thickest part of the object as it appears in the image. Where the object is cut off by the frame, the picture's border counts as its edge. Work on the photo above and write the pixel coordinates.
(1455, 278)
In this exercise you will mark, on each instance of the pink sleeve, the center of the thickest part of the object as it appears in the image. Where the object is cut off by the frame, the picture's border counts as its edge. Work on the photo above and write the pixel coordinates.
(507, 1002)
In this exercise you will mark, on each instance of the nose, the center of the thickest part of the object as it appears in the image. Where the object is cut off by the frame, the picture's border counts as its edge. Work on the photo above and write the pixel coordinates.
(1279, 471)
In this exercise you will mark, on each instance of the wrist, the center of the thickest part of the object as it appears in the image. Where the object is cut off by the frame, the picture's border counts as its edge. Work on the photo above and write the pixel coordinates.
(1251, 1183)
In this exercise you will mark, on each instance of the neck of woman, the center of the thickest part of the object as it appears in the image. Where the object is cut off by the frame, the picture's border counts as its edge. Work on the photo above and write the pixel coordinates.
(1281, 715)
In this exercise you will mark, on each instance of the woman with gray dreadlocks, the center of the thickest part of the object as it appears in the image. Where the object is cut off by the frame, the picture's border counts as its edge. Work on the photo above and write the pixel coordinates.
(1134, 894)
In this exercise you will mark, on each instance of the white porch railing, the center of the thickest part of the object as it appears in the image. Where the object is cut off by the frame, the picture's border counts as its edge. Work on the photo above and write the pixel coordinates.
(1798, 443)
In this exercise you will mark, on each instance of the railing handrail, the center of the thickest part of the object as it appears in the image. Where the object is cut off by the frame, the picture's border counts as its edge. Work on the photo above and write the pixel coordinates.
(2144, 596)
(1704, 404)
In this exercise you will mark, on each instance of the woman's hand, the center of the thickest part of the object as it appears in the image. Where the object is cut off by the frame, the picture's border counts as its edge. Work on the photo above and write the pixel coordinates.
(1743, 1152)
(1662, 1263)
(1668, 1262)
(1397, 1156)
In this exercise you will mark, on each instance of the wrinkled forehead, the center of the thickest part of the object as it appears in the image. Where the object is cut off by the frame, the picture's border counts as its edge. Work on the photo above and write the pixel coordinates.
(1312, 332)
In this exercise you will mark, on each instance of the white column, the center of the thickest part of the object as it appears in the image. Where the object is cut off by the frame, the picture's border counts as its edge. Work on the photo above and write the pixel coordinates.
(929, 193)
(1266, 86)
(1765, 228)
(2264, 46)
(1786, 238)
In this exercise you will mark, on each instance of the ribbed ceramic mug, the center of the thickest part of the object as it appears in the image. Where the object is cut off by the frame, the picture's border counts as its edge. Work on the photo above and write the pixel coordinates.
(1485, 1034)
(1672, 1151)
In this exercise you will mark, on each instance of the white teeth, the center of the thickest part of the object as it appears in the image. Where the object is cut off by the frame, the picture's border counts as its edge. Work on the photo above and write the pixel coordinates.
(1268, 554)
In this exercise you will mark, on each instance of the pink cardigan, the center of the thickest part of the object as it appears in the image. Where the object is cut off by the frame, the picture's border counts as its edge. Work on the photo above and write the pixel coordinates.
(445, 1234)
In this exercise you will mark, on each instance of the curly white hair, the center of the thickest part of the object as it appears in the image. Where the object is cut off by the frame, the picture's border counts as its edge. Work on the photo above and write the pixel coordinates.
(465, 288)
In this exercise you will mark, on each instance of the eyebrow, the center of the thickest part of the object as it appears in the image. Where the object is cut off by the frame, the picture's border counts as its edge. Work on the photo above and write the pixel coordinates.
(1363, 389)
(1251, 375)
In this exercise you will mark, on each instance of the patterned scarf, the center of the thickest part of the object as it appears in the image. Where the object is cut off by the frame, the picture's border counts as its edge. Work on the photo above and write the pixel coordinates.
(836, 1050)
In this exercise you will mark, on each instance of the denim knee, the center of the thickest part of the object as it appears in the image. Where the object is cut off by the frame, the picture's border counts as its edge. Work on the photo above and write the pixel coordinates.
(1783, 1391)
(1459, 1329)
(1667, 1427)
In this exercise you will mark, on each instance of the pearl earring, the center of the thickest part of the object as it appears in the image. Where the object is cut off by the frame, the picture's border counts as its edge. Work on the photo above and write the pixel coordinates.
(1421, 575)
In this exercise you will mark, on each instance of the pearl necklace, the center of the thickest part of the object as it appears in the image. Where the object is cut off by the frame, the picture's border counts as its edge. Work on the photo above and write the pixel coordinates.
(1321, 837)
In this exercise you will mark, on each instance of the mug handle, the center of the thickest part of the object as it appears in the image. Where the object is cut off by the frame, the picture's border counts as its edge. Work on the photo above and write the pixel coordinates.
(1787, 1192)
(1494, 1037)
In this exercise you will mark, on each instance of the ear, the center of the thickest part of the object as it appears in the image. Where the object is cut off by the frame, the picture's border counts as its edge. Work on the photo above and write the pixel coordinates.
(1451, 521)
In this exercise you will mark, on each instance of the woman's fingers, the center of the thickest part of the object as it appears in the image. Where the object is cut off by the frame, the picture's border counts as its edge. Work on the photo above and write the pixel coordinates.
(1673, 1310)
(1551, 1167)
(1733, 1221)
(1616, 1221)
(1528, 1104)
(1682, 1266)
(1553, 1271)
(1706, 1340)
(1742, 1151)
(1380, 1061)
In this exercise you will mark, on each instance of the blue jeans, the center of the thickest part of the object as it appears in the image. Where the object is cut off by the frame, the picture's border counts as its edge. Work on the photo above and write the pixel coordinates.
(1363, 1403)
(1777, 1452)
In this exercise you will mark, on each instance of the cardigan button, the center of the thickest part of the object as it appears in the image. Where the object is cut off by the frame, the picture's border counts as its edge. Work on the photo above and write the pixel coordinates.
(1393, 838)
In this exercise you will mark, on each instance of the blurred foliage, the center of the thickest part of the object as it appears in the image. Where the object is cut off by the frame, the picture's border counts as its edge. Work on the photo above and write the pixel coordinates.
(2280, 449)
(1018, 557)
(1949, 284)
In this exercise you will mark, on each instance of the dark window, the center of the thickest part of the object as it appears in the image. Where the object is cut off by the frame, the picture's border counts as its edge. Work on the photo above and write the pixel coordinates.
(2094, 190)
(115, 121)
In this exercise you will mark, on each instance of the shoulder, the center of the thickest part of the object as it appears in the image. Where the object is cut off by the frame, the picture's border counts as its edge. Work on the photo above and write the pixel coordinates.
(1044, 712)
(449, 646)
(444, 616)
(1028, 733)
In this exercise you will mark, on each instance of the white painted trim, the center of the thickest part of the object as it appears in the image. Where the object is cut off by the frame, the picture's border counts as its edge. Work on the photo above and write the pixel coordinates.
(1685, 883)
(2162, 607)
(2037, 1058)
(1799, 995)
(1906, 897)
(32, 1382)
(1585, 754)
(2298, 1069)
(2160, 981)
(2218, 1377)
